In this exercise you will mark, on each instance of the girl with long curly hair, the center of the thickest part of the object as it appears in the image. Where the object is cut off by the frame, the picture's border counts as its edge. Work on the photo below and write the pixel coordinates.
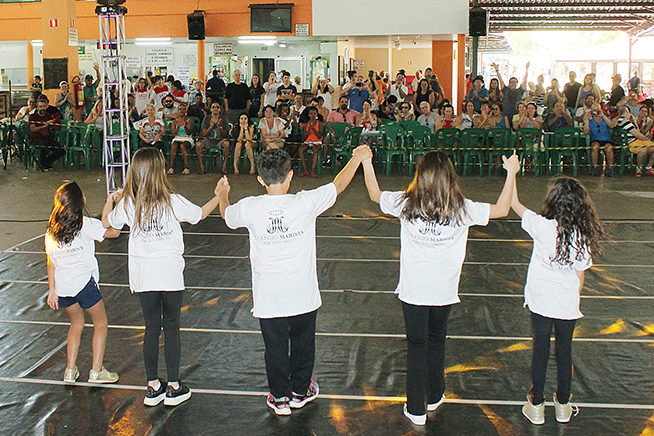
(73, 277)
(435, 218)
(567, 234)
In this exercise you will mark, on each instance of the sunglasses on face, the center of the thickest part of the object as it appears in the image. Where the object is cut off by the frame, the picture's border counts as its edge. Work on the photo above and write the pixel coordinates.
(168, 101)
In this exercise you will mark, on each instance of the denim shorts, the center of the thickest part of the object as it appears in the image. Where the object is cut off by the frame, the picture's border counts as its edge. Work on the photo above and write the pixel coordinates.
(87, 297)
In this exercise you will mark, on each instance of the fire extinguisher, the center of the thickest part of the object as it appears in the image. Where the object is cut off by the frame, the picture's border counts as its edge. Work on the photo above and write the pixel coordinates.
(79, 95)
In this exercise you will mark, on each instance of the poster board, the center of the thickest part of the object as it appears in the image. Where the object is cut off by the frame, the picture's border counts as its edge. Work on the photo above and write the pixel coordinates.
(55, 70)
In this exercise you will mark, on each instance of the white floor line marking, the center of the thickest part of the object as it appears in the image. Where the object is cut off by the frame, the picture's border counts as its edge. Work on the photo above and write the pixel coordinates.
(335, 259)
(354, 291)
(337, 335)
(24, 242)
(390, 399)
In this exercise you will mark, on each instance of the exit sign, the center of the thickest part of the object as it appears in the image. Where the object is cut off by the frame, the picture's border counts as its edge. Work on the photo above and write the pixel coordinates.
(54, 22)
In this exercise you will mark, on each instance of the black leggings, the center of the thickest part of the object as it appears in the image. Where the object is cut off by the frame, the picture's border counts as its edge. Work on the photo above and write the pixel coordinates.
(154, 304)
(426, 329)
(542, 330)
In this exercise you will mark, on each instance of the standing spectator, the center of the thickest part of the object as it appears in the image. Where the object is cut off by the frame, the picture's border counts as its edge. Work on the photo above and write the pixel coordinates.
(197, 109)
(433, 83)
(427, 117)
(638, 143)
(159, 92)
(374, 88)
(634, 83)
(617, 93)
(214, 135)
(478, 94)
(37, 87)
(631, 102)
(571, 90)
(182, 129)
(64, 101)
(320, 104)
(512, 93)
(587, 88)
(237, 98)
(539, 94)
(398, 89)
(423, 93)
(416, 81)
(42, 126)
(468, 83)
(598, 127)
(322, 88)
(286, 91)
(256, 93)
(216, 85)
(495, 95)
(179, 95)
(270, 96)
(554, 96)
(143, 95)
(151, 130)
(197, 90)
(558, 118)
(91, 90)
(297, 109)
(343, 114)
(358, 94)
(581, 112)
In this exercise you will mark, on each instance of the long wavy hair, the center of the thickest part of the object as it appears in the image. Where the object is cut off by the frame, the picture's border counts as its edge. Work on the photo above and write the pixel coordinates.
(579, 228)
(148, 187)
(434, 194)
(67, 214)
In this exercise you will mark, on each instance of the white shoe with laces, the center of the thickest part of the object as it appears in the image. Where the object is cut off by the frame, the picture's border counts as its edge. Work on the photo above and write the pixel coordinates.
(71, 375)
(535, 414)
(564, 412)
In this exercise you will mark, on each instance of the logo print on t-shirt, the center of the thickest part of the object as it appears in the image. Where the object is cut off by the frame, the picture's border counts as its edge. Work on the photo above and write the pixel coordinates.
(276, 222)
(431, 228)
(153, 225)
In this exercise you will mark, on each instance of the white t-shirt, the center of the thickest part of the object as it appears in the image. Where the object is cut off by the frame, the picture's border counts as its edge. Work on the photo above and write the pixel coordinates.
(429, 121)
(143, 99)
(432, 255)
(552, 289)
(283, 248)
(270, 96)
(396, 92)
(75, 263)
(155, 253)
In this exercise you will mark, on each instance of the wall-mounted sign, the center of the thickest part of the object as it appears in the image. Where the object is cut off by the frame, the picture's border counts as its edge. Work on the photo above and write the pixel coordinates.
(190, 60)
(184, 74)
(301, 30)
(133, 62)
(72, 38)
(81, 49)
(54, 22)
(159, 56)
(224, 49)
(358, 64)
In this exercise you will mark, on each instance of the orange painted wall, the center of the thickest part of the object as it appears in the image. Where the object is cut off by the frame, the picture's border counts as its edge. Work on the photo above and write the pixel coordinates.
(441, 59)
(147, 18)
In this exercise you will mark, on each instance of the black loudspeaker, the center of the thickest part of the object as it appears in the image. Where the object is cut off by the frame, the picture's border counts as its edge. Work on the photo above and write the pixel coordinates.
(196, 25)
(478, 23)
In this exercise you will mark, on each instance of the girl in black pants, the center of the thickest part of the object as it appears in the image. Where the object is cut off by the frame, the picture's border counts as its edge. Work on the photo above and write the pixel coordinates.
(153, 212)
(566, 234)
(434, 218)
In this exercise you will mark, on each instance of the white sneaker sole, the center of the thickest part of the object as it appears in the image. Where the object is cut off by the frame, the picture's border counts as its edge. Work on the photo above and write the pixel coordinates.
(153, 401)
(279, 412)
(434, 406)
(300, 404)
(175, 401)
(101, 381)
(415, 419)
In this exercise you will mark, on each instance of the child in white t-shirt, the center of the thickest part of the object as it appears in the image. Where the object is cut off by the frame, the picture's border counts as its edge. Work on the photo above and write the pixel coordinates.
(282, 229)
(73, 277)
(566, 234)
(435, 218)
(154, 212)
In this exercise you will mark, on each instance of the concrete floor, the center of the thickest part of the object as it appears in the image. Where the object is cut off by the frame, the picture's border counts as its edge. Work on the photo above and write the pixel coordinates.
(26, 195)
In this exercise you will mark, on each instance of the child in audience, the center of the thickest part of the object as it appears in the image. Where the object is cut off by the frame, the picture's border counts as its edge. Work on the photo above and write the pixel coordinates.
(153, 213)
(73, 277)
(282, 231)
(566, 234)
(434, 217)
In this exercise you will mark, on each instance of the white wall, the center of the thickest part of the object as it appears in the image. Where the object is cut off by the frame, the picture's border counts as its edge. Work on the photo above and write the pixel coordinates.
(389, 17)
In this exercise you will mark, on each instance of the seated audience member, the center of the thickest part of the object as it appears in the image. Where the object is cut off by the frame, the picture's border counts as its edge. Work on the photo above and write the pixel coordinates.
(448, 120)
(43, 123)
(304, 116)
(497, 117)
(638, 143)
(297, 108)
(179, 95)
(198, 109)
(427, 117)
(213, 132)
(581, 112)
(322, 109)
(388, 110)
(553, 96)
(559, 117)
(478, 94)
(312, 132)
(468, 114)
(143, 95)
(494, 92)
(151, 129)
(343, 114)
(133, 114)
(368, 121)
(168, 111)
(286, 91)
(26, 111)
(483, 119)
(405, 113)
(598, 126)
(631, 102)
(527, 117)
(399, 89)
(358, 93)
(243, 136)
(571, 91)
(272, 129)
(644, 122)
(182, 129)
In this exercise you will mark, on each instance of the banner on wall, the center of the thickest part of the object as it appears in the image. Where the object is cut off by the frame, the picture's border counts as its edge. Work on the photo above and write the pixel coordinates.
(159, 56)
(226, 49)
(183, 74)
(133, 62)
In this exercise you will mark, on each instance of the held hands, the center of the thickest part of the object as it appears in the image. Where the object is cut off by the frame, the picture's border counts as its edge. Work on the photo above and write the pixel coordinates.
(362, 153)
(222, 186)
(511, 164)
(116, 195)
(53, 300)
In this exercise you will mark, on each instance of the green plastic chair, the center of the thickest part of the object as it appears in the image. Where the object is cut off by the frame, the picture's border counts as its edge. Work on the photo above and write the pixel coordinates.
(447, 140)
(529, 142)
(473, 143)
(419, 143)
(410, 125)
(392, 140)
(500, 143)
(79, 143)
(624, 156)
(564, 142)
(337, 133)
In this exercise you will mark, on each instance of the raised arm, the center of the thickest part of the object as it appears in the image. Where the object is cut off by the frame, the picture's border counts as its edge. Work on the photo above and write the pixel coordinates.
(503, 205)
(499, 76)
(523, 85)
(371, 180)
(515, 203)
(344, 178)
(221, 196)
(109, 206)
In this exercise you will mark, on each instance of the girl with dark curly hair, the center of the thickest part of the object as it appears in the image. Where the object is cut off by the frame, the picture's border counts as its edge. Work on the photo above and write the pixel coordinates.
(567, 234)
(73, 276)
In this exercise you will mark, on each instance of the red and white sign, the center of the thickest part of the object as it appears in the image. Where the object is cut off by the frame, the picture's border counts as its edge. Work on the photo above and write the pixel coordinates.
(72, 22)
(54, 22)
(409, 62)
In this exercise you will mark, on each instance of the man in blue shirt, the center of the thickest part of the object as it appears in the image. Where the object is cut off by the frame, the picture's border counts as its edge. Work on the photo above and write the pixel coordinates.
(358, 94)
(478, 94)
(598, 126)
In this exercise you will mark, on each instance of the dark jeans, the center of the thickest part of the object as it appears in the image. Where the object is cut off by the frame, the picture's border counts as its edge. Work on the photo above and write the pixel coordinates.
(292, 373)
(50, 151)
(426, 329)
(542, 330)
(154, 304)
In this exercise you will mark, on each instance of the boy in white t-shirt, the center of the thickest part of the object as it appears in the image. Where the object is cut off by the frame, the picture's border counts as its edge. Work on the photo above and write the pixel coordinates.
(282, 230)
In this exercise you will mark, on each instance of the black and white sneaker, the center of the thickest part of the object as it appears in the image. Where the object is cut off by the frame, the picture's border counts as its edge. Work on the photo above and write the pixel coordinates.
(177, 396)
(299, 401)
(279, 405)
(152, 397)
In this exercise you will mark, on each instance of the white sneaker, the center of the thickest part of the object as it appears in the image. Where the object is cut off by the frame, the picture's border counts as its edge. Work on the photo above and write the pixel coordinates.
(434, 406)
(564, 411)
(535, 414)
(102, 376)
(71, 375)
(415, 419)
